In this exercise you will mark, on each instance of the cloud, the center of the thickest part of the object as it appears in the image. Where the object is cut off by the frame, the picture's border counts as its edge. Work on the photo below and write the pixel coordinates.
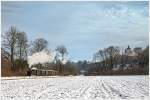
(82, 27)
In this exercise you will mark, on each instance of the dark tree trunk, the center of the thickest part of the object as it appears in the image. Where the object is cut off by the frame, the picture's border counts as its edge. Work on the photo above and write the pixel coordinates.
(12, 58)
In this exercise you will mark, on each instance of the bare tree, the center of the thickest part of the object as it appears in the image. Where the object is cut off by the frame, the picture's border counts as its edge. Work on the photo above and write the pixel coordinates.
(112, 52)
(39, 45)
(5, 58)
(122, 59)
(21, 51)
(9, 43)
(94, 58)
(101, 54)
(4, 54)
(106, 57)
(146, 56)
(22, 45)
(62, 50)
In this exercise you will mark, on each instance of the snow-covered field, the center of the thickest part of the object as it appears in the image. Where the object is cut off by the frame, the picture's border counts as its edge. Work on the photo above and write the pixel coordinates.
(75, 87)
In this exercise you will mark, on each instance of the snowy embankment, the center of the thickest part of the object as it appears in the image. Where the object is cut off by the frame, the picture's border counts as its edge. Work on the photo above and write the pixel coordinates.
(75, 88)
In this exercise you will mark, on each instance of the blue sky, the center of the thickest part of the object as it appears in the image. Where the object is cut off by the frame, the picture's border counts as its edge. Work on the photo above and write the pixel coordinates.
(83, 27)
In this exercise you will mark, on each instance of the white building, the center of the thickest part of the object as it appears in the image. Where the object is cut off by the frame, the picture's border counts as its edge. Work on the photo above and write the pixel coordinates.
(134, 52)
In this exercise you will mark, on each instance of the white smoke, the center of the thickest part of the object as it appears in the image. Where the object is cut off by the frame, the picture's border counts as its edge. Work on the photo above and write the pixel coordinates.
(41, 57)
(64, 61)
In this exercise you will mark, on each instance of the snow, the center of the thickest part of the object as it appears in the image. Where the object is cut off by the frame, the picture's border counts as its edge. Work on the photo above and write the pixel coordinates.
(75, 87)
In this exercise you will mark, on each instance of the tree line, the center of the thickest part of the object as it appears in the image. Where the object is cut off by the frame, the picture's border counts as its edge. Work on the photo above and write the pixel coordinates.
(114, 60)
(14, 44)
(16, 48)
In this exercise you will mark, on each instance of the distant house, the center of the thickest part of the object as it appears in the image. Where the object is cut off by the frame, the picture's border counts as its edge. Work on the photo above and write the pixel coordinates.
(42, 72)
(128, 51)
(83, 72)
(134, 52)
(138, 50)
